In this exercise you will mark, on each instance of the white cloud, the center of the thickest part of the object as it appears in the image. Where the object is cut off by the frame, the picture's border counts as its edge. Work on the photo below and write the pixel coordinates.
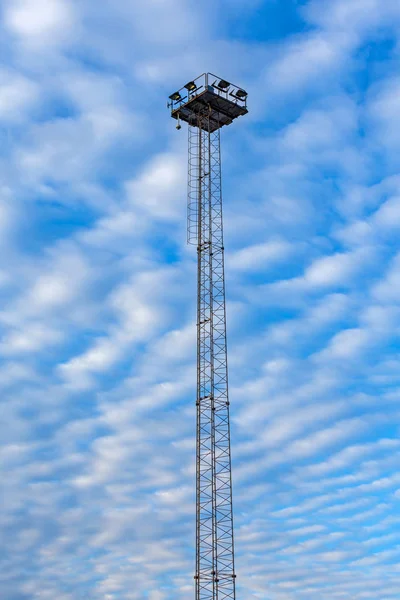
(137, 312)
(387, 289)
(44, 22)
(347, 344)
(311, 58)
(30, 338)
(260, 256)
(157, 190)
(61, 284)
(359, 15)
(336, 269)
(388, 214)
(18, 95)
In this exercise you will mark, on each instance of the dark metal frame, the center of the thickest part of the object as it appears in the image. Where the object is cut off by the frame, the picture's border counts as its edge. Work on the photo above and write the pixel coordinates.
(223, 104)
(215, 577)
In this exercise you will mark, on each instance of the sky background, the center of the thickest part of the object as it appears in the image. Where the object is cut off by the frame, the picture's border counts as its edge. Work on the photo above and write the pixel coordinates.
(97, 290)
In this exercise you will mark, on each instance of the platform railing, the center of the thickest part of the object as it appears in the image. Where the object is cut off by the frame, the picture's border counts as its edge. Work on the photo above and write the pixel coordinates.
(207, 81)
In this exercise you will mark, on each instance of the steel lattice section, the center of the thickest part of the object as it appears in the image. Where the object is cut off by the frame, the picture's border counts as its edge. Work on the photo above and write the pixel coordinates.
(207, 104)
(215, 569)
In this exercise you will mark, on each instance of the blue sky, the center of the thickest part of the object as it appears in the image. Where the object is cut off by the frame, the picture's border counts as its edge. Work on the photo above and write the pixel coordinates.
(97, 292)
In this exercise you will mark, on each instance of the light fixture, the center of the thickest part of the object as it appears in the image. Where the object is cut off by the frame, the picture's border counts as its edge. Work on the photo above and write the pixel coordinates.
(241, 94)
(175, 97)
(191, 86)
(223, 84)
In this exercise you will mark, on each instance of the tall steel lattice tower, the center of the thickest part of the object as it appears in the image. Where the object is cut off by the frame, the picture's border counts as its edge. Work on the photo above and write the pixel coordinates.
(207, 104)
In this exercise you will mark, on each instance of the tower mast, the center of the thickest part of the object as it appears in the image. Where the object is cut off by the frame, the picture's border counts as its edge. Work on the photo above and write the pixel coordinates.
(207, 104)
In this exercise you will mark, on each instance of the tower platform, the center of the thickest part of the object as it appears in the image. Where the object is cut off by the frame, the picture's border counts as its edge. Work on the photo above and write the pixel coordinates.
(221, 101)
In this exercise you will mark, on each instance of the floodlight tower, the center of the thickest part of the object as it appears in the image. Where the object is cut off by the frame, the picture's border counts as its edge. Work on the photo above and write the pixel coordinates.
(207, 104)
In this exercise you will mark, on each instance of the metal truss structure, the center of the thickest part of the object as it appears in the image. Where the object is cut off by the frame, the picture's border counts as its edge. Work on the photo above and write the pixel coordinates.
(206, 109)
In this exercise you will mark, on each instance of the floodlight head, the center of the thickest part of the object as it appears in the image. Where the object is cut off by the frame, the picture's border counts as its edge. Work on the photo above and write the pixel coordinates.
(175, 97)
(191, 86)
(223, 84)
(241, 94)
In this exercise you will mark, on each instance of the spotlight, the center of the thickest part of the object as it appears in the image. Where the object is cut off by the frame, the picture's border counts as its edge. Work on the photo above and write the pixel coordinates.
(175, 97)
(223, 84)
(191, 86)
(241, 94)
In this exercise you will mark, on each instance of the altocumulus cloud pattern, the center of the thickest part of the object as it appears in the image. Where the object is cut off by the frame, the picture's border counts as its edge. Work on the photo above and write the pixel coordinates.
(98, 288)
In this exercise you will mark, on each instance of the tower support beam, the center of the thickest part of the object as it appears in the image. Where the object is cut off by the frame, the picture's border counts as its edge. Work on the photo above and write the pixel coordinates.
(207, 107)
(215, 571)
